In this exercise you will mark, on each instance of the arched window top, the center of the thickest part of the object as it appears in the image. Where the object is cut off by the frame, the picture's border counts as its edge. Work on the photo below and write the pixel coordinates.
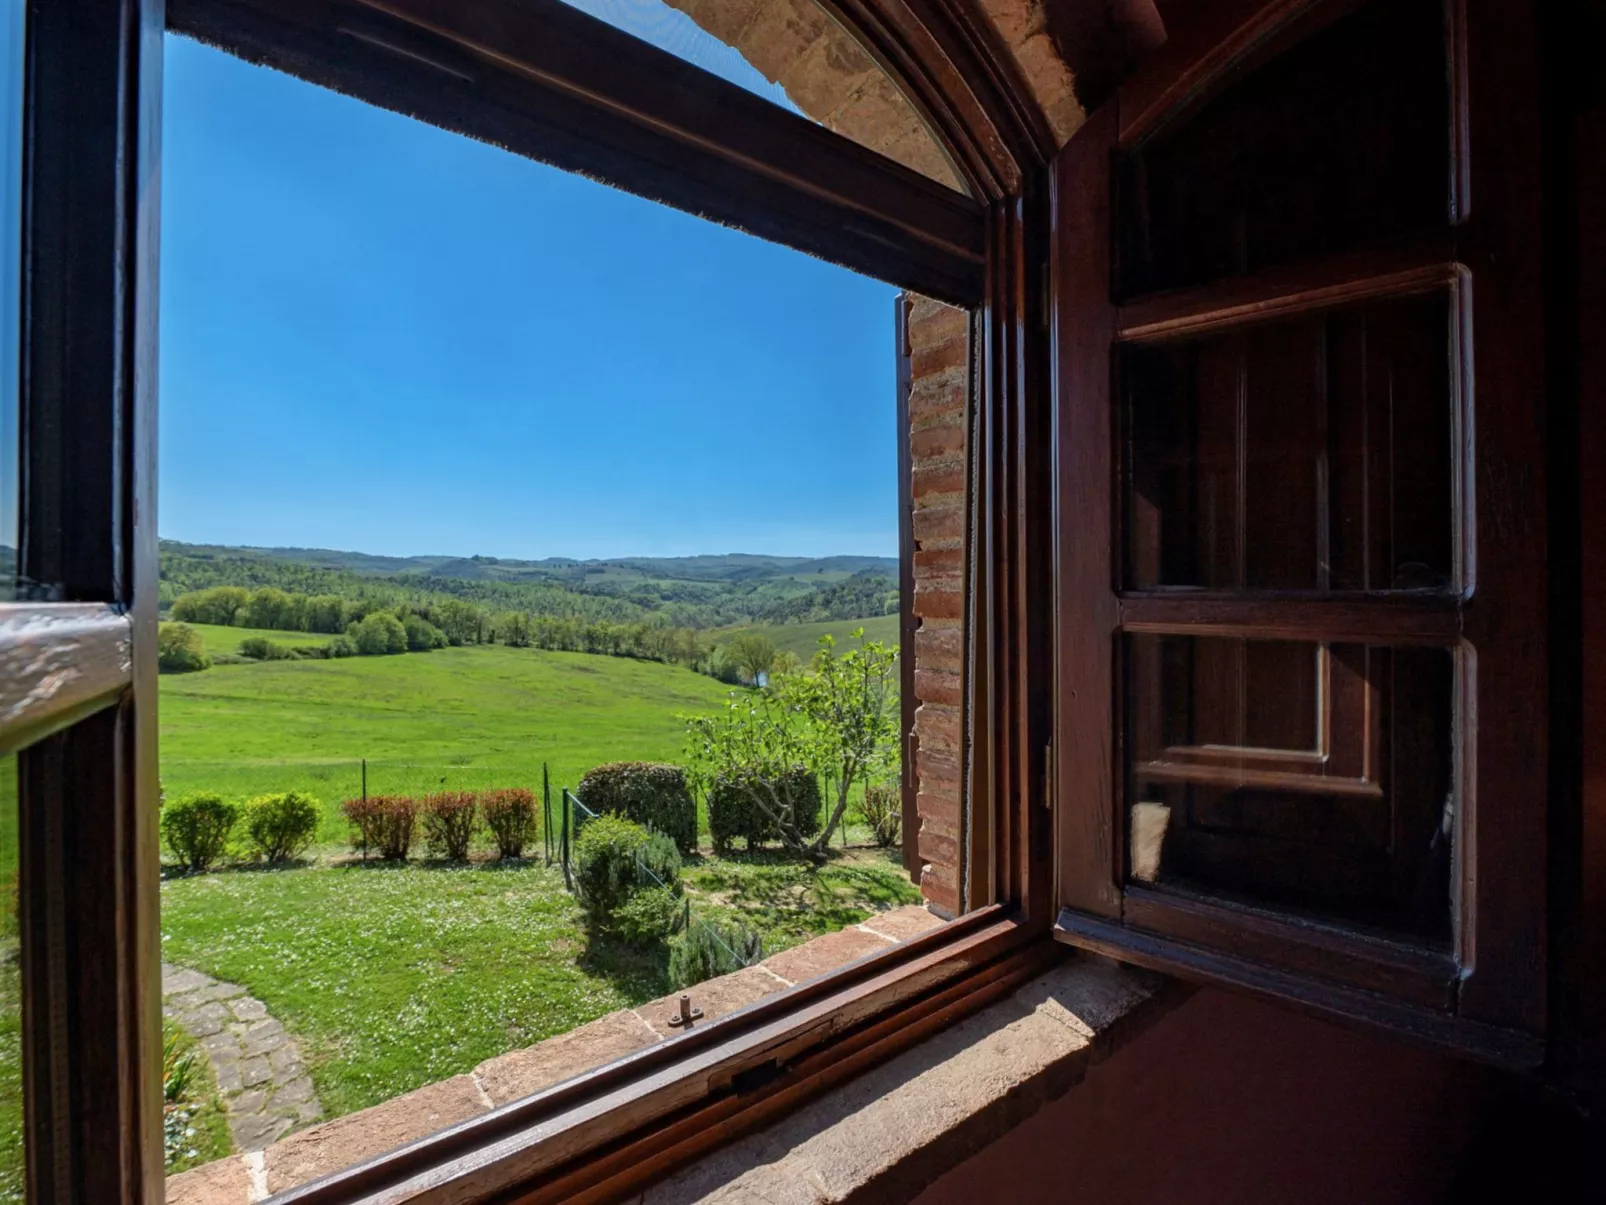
(795, 54)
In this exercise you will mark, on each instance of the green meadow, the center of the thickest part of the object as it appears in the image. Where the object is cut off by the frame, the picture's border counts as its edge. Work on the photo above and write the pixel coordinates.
(457, 718)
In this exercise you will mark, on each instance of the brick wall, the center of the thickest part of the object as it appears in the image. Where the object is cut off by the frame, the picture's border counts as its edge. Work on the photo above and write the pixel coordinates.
(939, 347)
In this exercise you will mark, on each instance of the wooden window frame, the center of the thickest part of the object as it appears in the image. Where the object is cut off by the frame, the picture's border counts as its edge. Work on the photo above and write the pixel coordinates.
(78, 697)
(1486, 996)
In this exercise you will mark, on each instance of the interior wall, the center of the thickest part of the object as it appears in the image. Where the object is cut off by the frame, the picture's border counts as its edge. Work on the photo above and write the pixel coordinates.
(1228, 1101)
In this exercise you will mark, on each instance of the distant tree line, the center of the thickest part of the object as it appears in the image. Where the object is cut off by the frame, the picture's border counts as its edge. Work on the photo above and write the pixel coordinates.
(377, 628)
(587, 591)
(859, 597)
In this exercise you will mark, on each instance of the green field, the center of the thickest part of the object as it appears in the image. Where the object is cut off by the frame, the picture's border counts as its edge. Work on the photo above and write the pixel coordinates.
(804, 638)
(225, 642)
(470, 718)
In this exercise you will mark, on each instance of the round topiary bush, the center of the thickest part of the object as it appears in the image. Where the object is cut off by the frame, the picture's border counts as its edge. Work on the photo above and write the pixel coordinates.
(733, 812)
(613, 859)
(650, 793)
(196, 828)
(280, 827)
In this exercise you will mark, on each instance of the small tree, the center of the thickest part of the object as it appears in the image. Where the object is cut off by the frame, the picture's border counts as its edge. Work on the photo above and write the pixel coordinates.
(838, 719)
(422, 635)
(752, 652)
(179, 649)
(380, 633)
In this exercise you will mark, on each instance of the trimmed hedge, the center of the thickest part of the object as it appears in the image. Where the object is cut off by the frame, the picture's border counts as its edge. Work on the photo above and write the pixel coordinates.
(510, 815)
(612, 860)
(280, 827)
(196, 828)
(449, 821)
(732, 812)
(649, 793)
(383, 823)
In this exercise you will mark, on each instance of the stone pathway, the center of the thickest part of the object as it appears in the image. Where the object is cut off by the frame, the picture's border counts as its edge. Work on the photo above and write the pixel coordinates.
(261, 1080)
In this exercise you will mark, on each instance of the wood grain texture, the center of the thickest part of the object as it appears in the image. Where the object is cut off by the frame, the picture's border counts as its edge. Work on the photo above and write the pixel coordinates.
(1504, 855)
(87, 797)
(58, 662)
(1402, 969)
(1284, 292)
(1195, 56)
(1440, 1031)
(1376, 619)
(555, 84)
(1091, 862)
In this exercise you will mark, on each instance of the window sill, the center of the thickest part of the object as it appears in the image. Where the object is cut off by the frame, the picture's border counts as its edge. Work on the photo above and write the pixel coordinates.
(891, 1132)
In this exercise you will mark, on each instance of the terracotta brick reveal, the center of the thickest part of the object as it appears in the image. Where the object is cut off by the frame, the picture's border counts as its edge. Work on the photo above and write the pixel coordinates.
(939, 355)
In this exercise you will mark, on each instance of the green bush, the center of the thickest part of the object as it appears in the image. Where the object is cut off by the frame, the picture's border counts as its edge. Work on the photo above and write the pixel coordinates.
(196, 828)
(605, 864)
(260, 648)
(649, 916)
(342, 646)
(651, 794)
(422, 635)
(280, 827)
(380, 634)
(510, 815)
(383, 823)
(179, 649)
(449, 819)
(706, 950)
(882, 812)
(615, 858)
(732, 811)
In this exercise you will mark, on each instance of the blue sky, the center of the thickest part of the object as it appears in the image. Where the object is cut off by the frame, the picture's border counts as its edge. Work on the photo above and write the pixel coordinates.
(379, 336)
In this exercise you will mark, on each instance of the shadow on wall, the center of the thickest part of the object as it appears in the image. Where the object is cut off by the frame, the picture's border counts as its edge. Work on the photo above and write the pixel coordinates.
(1228, 1100)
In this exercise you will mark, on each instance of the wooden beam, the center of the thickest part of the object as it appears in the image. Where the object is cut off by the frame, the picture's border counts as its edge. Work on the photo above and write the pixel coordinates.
(554, 84)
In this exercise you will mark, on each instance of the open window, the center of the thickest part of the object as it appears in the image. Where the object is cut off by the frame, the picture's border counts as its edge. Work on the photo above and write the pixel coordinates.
(938, 215)
(1302, 675)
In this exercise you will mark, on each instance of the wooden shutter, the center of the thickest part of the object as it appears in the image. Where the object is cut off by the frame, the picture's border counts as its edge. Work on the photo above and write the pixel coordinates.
(1301, 517)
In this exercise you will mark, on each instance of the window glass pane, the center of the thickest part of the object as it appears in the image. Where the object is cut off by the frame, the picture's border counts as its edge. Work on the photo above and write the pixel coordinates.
(11, 73)
(794, 54)
(1314, 454)
(1303, 775)
(1337, 144)
(478, 549)
(11, 1168)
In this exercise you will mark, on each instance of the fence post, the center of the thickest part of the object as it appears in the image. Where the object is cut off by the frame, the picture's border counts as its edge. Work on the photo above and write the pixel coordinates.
(546, 813)
(365, 780)
(568, 881)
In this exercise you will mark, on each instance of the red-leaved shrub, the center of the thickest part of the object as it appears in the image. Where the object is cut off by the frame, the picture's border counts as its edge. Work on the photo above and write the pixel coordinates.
(383, 823)
(510, 815)
(449, 823)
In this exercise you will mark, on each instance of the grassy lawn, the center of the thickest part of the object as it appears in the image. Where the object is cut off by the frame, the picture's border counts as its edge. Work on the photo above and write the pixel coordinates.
(470, 718)
(393, 977)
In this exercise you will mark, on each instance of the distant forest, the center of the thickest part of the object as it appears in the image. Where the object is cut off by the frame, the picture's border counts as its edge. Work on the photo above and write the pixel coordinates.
(696, 593)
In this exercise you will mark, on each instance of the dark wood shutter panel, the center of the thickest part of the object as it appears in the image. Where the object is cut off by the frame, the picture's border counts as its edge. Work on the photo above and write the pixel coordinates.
(1301, 713)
